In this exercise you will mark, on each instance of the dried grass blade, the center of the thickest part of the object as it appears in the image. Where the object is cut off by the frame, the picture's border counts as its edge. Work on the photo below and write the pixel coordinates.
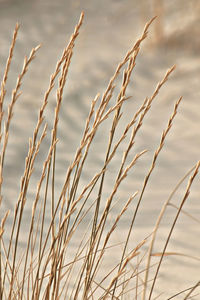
(174, 223)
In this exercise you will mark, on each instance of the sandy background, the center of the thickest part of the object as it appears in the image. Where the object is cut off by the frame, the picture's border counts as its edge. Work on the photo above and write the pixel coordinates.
(109, 30)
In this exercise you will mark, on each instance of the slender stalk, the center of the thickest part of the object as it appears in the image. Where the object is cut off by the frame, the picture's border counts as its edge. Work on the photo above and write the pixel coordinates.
(162, 212)
(187, 192)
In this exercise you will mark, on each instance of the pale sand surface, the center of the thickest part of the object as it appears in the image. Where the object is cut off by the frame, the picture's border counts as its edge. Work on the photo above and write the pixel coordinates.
(109, 30)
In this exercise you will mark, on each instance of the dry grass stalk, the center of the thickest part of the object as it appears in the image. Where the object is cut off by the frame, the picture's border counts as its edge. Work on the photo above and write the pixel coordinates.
(121, 270)
(5, 76)
(162, 212)
(189, 290)
(174, 223)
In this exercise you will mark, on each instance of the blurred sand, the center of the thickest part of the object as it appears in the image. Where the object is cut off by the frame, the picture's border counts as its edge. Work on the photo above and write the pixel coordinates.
(109, 30)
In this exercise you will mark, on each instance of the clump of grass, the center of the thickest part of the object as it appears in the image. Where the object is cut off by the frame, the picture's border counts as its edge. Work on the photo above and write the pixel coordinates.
(47, 268)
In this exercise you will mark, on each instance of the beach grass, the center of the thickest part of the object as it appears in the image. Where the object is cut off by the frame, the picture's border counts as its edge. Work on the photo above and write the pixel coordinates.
(48, 268)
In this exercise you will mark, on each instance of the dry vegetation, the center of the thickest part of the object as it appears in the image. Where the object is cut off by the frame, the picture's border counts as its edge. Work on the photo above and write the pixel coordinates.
(44, 271)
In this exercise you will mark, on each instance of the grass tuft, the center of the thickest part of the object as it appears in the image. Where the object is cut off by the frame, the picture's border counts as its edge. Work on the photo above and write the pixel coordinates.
(49, 267)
